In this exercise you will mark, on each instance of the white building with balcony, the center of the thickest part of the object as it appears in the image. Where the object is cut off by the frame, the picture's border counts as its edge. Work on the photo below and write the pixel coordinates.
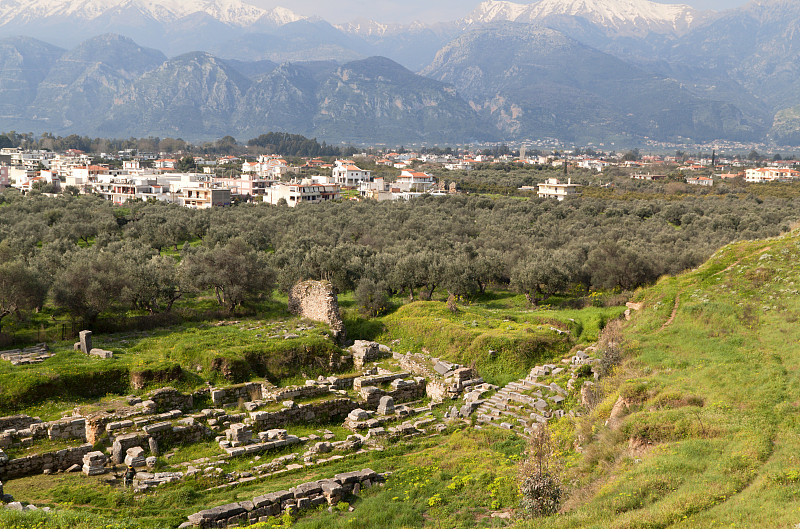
(552, 188)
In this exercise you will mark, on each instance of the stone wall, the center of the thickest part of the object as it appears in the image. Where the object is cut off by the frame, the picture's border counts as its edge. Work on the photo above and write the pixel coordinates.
(304, 413)
(36, 464)
(316, 300)
(376, 380)
(445, 380)
(345, 382)
(416, 363)
(96, 426)
(168, 398)
(364, 352)
(299, 392)
(304, 496)
(247, 392)
(437, 390)
(401, 391)
(67, 428)
(167, 434)
(17, 422)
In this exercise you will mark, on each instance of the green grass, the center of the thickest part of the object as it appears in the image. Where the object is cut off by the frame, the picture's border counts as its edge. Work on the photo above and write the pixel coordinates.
(717, 413)
(520, 335)
(453, 480)
(199, 352)
(472, 471)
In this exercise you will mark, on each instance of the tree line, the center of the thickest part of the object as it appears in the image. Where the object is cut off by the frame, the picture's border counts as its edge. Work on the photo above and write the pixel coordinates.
(281, 143)
(87, 257)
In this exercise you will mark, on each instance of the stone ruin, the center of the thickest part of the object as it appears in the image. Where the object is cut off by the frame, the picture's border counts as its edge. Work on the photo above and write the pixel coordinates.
(444, 379)
(253, 420)
(35, 354)
(364, 352)
(302, 497)
(85, 346)
(94, 463)
(523, 405)
(317, 300)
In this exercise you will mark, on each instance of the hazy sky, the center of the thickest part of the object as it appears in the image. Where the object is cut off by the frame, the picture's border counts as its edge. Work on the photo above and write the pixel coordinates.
(424, 10)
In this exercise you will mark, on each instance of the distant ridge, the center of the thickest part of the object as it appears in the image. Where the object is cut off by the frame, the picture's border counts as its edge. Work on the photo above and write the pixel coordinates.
(232, 12)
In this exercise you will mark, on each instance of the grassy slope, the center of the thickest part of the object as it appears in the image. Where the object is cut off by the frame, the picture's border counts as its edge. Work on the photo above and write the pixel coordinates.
(501, 322)
(731, 462)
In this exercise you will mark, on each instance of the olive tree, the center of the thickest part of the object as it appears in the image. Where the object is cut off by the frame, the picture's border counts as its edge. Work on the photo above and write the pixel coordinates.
(539, 276)
(235, 272)
(91, 282)
(20, 289)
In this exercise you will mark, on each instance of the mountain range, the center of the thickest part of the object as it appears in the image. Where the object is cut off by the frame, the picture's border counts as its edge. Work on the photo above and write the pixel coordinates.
(577, 70)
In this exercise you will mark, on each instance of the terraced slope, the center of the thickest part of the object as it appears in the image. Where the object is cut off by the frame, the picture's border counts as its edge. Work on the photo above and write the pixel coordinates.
(709, 437)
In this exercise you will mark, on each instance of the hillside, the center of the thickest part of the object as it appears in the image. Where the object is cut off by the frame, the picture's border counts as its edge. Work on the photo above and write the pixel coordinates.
(534, 82)
(709, 437)
(111, 86)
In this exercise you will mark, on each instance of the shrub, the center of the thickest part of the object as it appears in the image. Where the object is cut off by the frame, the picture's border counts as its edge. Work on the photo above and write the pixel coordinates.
(540, 487)
(371, 297)
(451, 304)
(610, 344)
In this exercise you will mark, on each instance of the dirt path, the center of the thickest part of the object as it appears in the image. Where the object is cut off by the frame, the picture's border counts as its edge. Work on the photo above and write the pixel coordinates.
(762, 250)
(674, 313)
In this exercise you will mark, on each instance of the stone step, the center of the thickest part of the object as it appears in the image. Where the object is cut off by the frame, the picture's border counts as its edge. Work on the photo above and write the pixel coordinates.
(510, 414)
(493, 412)
(532, 384)
(524, 432)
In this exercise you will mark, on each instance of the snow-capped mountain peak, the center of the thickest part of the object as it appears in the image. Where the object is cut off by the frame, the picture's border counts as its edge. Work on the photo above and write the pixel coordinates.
(232, 12)
(621, 17)
(496, 10)
(364, 26)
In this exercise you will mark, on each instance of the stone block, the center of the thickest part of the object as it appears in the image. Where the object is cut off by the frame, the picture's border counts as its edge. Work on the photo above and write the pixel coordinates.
(386, 406)
(222, 512)
(358, 415)
(153, 445)
(85, 339)
(94, 463)
(272, 498)
(239, 434)
(156, 428)
(305, 490)
(101, 353)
